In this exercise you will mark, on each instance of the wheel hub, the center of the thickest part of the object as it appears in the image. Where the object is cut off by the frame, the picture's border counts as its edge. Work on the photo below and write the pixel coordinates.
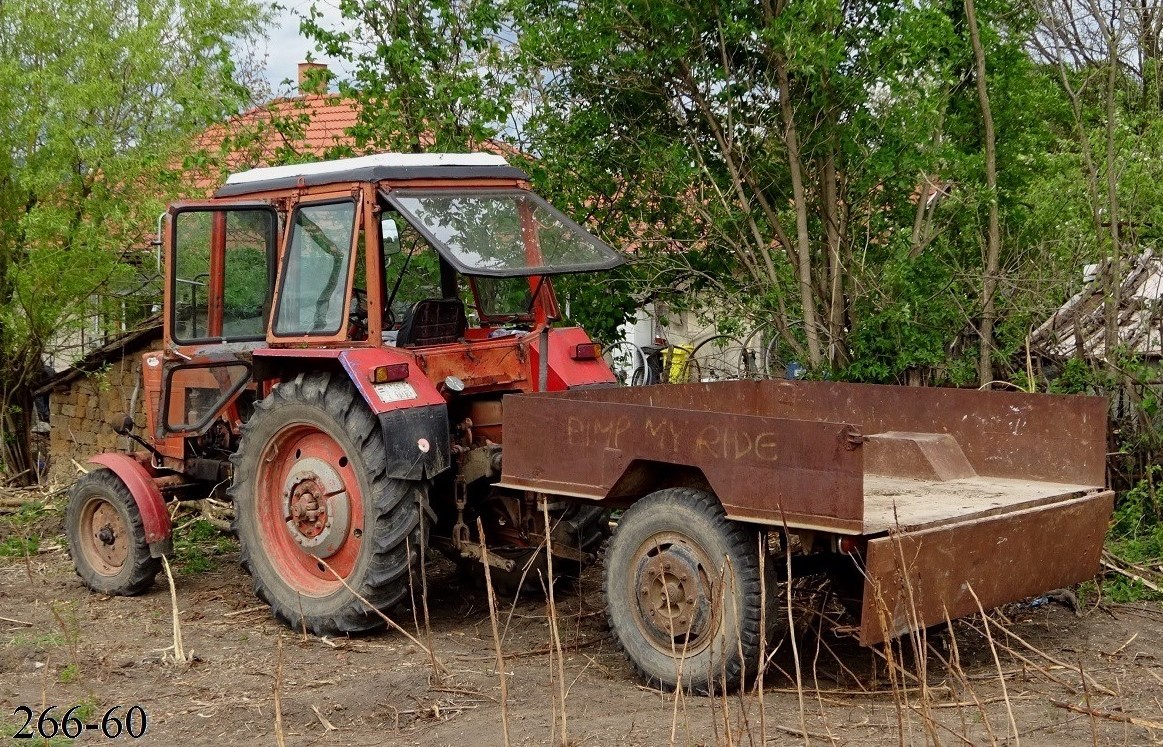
(674, 595)
(315, 507)
(309, 507)
(108, 546)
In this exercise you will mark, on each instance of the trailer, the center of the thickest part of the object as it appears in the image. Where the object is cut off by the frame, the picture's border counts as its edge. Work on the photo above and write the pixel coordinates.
(921, 504)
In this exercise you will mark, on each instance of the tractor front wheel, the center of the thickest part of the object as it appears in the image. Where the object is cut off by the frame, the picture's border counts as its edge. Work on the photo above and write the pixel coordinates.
(106, 536)
(319, 521)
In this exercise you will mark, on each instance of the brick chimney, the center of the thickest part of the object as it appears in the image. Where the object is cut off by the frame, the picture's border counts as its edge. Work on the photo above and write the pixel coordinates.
(313, 77)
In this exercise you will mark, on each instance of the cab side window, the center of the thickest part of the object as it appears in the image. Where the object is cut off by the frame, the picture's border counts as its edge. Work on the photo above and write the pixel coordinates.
(222, 273)
(414, 272)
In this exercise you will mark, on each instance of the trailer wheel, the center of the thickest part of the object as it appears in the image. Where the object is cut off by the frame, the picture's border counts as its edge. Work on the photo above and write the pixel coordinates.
(674, 602)
(312, 495)
(106, 536)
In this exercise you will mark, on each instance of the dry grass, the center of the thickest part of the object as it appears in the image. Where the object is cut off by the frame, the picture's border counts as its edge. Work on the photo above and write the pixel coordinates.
(983, 680)
(934, 699)
(280, 734)
(177, 653)
(438, 667)
(501, 674)
(555, 632)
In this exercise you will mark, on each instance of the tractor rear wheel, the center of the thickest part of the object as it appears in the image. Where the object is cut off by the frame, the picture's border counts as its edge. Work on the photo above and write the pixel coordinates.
(683, 592)
(106, 536)
(319, 521)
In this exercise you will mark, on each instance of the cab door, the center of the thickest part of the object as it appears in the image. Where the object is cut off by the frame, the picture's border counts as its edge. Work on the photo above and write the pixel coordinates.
(220, 265)
(314, 300)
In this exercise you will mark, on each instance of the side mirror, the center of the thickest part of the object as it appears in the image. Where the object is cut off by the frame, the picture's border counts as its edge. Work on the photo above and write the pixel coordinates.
(122, 425)
(390, 236)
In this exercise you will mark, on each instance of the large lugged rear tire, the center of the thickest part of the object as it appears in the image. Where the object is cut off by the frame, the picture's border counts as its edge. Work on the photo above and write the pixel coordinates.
(106, 536)
(672, 599)
(312, 496)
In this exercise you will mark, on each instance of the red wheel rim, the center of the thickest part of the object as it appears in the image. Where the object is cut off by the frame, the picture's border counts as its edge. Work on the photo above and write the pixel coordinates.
(104, 535)
(310, 509)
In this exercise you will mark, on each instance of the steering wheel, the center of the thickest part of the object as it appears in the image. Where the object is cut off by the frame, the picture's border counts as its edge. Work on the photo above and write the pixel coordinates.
(359, 312)
(358, 315)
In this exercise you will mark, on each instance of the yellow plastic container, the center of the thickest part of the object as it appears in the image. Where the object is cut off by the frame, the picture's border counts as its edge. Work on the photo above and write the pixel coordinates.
(676, 367)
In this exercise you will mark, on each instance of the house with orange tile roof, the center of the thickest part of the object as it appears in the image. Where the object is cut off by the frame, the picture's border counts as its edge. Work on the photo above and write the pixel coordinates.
(315, 124)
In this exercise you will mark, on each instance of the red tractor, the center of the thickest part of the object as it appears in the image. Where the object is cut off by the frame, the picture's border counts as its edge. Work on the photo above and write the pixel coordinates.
(338, 339)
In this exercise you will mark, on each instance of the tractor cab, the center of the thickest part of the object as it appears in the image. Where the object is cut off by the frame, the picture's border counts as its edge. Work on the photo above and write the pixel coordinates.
(442, 259)
(362, 241)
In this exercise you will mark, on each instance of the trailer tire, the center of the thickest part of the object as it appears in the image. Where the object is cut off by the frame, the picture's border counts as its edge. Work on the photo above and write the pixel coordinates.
(671, 600)
(107, 537)
(312, 495)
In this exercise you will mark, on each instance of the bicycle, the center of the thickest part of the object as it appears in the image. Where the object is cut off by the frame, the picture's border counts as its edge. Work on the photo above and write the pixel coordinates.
(774, 357)
(717, 358)
(627, 362)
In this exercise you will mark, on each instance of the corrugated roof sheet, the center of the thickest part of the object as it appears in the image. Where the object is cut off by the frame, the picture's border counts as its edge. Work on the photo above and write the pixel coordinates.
(1077, 328)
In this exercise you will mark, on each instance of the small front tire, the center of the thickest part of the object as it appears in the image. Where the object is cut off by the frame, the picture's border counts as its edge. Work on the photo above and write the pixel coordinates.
(107, 537)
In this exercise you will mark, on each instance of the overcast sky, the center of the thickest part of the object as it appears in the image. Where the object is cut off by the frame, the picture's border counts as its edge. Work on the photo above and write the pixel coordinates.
(286, 48)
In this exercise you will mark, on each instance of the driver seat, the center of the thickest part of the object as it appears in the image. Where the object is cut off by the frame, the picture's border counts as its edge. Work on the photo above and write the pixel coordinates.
(433, 321)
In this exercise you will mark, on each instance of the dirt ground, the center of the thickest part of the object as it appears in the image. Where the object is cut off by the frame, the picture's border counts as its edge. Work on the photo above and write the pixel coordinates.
(62, 645)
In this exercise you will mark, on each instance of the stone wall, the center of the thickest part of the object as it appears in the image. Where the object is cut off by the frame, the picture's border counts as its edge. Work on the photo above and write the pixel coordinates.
(81, 412)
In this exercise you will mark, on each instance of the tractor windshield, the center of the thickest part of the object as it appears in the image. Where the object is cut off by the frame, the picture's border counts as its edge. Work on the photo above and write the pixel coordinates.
(502, 232)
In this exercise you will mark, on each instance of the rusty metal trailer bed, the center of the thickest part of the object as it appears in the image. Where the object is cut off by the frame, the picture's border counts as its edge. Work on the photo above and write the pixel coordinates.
(948, 494)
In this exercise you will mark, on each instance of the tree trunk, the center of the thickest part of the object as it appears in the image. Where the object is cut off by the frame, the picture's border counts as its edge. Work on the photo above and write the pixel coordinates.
(833, 219)
(993, 237)
(1114, 276)
(803, 242)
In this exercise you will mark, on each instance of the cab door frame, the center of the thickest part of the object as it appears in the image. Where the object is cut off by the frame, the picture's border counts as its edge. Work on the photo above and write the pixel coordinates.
(365, 224)
(208, 357)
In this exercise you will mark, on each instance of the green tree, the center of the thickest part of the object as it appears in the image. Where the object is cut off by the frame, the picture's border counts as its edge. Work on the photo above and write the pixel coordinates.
(98, 100)
(429, 75)
(815, 165)
(818, 166)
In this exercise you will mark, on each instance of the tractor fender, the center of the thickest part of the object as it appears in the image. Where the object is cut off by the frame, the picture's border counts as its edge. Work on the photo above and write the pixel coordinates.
(413, 391)
(155, 520)
(413, 414)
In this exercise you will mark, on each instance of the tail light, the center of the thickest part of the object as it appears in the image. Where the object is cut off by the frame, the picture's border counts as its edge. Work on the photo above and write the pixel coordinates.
(587, 351)
(391, 372)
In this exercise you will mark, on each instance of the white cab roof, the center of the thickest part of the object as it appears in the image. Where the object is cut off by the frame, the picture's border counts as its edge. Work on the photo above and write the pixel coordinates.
(379, 160)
